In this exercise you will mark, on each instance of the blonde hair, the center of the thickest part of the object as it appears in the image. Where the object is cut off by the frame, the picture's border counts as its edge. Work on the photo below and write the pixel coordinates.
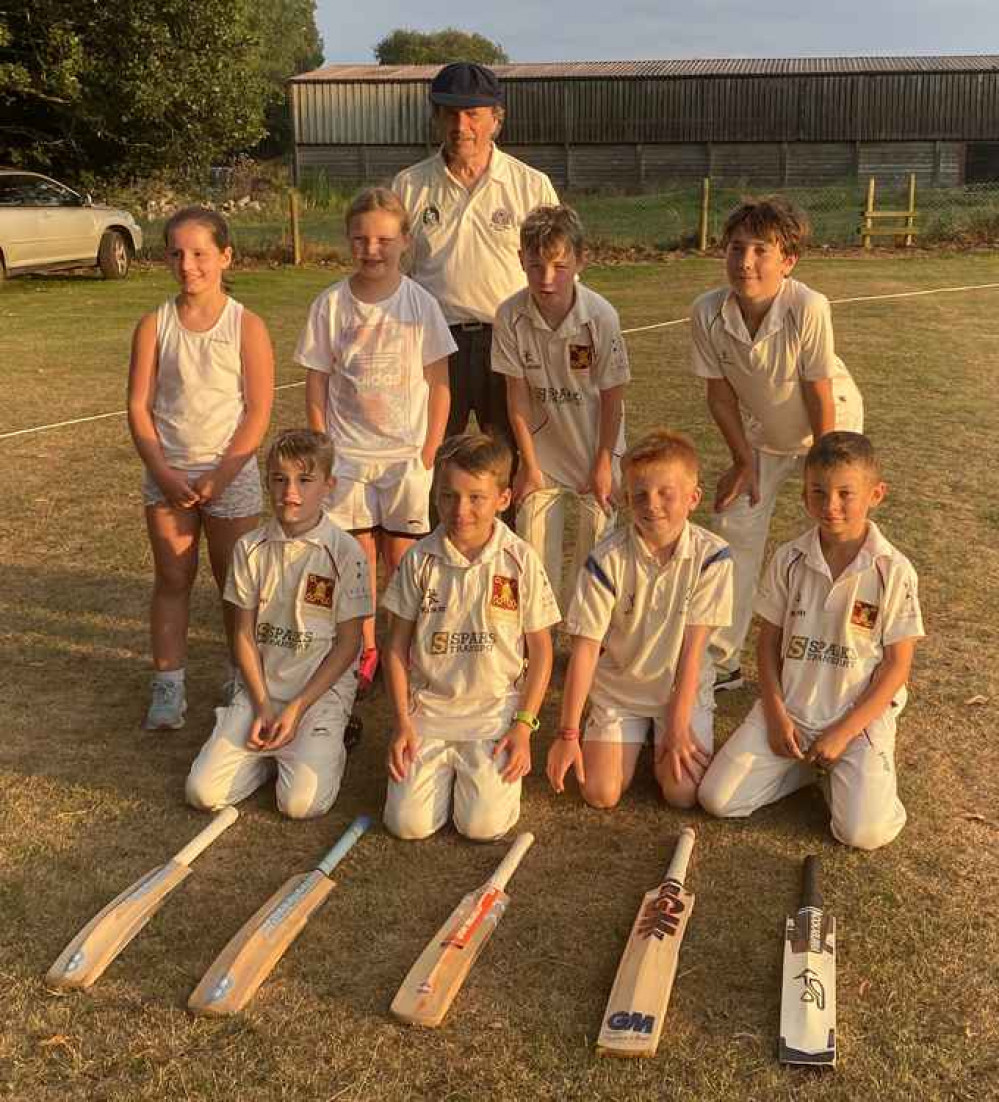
(547, 231)
(662, 446)
(770, 218)
(477, 453)
(377, 198)
(310, 449)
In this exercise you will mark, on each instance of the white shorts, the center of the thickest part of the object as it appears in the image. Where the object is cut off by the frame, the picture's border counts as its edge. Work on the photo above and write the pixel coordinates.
(309, 768)
(609, 723)
(393, 496)
(241, 498)
(462, 775)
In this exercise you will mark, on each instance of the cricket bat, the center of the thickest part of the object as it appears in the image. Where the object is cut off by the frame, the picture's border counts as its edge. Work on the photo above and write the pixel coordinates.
(808, 990)
(432, 983)
(84, 959)
(633, 1020)
(251, 954)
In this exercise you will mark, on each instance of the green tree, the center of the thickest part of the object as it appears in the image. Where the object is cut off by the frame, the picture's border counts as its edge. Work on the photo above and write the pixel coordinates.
(406, 47)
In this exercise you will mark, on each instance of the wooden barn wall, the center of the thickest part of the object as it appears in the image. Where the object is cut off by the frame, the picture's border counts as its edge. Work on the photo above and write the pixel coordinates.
(945, 106)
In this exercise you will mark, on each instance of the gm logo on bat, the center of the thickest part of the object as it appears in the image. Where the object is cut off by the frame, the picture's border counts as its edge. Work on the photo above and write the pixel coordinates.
(631, 1021)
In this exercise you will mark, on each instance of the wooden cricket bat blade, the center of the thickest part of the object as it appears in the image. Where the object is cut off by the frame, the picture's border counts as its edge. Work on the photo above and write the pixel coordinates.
(636, 1009)
(86, 957)
(253, 951)
(436, 978)
(808, 987)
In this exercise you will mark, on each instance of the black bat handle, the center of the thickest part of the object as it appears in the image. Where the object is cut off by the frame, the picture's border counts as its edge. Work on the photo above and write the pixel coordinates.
(810, 896)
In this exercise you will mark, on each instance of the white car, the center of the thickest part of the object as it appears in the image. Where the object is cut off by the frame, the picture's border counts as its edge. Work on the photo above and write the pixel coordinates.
(45, 226)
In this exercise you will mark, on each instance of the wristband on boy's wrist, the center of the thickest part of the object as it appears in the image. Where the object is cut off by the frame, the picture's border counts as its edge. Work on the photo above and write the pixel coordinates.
(529, 720)
(569, 734)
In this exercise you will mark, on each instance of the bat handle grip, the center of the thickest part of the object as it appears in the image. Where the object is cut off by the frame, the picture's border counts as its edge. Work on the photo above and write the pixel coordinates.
(345, 844)
(200, 842)
(810, 896)
(681, 855)
(508, 866)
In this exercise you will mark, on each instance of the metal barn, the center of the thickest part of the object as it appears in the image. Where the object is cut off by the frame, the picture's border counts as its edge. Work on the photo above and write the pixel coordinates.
(643, 124)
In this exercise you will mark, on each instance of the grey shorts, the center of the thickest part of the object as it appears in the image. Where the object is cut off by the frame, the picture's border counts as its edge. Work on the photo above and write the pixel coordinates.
(241, 498)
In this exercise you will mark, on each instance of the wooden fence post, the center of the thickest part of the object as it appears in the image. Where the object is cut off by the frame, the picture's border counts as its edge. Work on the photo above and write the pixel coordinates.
(705, 210)
(296, 235)
(868, 212)
(910, 220)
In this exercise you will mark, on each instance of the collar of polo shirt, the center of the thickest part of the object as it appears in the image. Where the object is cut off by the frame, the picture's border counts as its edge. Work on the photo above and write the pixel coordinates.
(579, 314)
(681, 551)
(319, 534)
(497, 168)
(772, 323)
(875, 547)
(440, 545)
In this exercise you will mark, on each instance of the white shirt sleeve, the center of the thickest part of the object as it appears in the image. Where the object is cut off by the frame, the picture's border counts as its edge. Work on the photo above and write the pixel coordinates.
(611, 368)
(772, 594)
(353, 594)
(903, 618)
(403, 596)
(540, 609)
(817, 359)
(711, 600)
(315, 344)
(505, 355)
(437, 340)
(593, 602)
(704, 360)
(242, 589)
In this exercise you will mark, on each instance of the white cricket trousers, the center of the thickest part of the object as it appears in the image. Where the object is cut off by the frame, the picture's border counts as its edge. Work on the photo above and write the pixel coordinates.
(541, 522)
(860, 788)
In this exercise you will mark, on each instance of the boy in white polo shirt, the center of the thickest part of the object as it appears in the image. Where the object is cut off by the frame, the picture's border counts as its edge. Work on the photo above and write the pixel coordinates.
(469, 604)
(764, 345)
(560, 347)
(300, 588)
(645, 606)
(840, 619)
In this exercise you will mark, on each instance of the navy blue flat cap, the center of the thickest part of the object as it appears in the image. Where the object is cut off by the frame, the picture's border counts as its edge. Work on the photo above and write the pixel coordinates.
(463, 84)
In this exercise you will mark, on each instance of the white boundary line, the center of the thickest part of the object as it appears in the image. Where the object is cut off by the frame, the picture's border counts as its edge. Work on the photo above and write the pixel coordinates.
(636, 329)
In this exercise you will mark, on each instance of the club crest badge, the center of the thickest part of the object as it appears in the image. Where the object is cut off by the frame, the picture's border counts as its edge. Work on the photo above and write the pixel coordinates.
(501, 219)
(319, 591)
(505, 599)
(580, 357)
(864, 615)
(431, 216)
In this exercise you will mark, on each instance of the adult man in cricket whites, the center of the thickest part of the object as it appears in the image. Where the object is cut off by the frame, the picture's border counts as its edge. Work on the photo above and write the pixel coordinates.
(466, 203)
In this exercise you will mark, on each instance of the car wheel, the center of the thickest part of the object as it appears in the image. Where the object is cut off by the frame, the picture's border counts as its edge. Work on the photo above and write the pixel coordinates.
(114, 256)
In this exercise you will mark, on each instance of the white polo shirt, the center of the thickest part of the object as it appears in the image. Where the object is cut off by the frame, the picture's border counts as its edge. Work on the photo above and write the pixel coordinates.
(468, 650)
(465, 242)
(794, 342)
(639, 609)
(566, 370)
(835, 632)
(374, 354)
(302, 587)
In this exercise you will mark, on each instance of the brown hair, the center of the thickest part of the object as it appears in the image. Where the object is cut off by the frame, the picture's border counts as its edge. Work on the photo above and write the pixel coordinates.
(216, 225)
(377, 198)
(769, 218)
(547, 231)
(477, 453)
(841, 449)
(310, 449)
(662, 446)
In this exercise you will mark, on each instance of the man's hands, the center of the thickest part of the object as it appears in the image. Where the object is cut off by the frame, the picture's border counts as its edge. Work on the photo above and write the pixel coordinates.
(740, 478)
(517, 743)
(177, 490)
(827, 749)
(273, 728)
(526, 481)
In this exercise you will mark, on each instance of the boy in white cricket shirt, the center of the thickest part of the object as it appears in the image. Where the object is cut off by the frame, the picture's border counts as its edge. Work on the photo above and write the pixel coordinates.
(840, 619)
(469, 604)
(560, 347)
(645, 606)
(764, 345)
(300, 588)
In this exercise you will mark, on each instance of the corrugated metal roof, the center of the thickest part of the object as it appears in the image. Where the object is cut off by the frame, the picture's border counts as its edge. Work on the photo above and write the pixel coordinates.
(680, 67)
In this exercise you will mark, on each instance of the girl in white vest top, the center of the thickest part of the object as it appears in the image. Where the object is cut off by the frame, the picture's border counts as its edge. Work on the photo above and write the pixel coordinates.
(200, 387)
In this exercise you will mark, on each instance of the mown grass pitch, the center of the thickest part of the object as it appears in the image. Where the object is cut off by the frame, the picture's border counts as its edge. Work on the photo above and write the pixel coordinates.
(88, 802)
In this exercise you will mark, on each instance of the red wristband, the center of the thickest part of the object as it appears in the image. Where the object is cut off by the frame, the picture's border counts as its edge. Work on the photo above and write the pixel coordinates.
(569, 734)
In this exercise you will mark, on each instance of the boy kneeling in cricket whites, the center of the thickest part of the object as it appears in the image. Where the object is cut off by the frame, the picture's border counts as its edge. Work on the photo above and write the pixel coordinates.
(301, 591)
(468, 604)
(645, 605)
(839, 619)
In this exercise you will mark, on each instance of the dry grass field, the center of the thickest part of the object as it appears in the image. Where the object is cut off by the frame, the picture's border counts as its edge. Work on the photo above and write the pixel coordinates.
(88, 801)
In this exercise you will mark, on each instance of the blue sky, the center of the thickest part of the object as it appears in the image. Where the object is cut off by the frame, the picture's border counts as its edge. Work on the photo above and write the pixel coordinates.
(585, 30)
